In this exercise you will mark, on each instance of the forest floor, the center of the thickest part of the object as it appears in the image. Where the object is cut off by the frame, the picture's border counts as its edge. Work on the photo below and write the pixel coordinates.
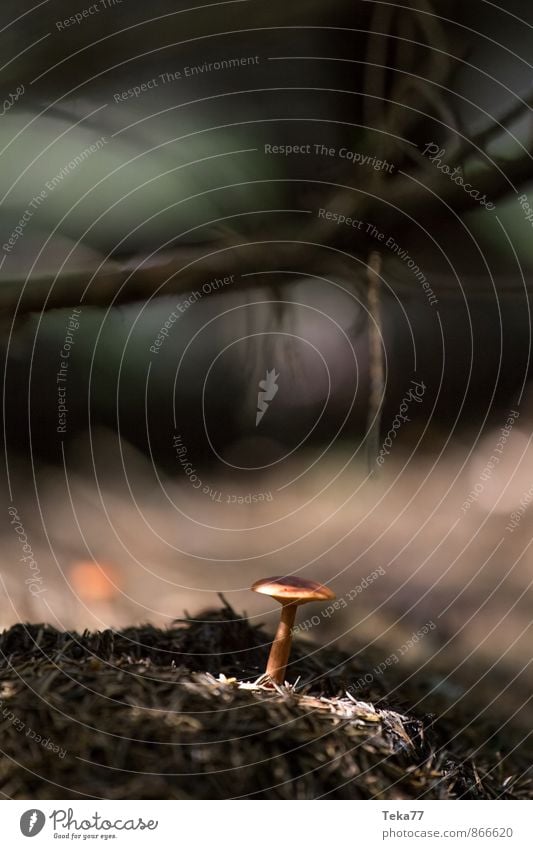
(183, 713)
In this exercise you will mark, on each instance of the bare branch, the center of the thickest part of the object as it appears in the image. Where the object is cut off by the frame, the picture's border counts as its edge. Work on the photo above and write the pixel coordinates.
(176, 273)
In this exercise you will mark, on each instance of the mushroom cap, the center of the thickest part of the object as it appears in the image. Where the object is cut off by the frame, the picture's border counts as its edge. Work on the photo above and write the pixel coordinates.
(291, 589)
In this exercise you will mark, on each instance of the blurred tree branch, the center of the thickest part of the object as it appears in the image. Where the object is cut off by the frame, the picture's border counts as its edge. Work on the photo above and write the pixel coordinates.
(410, 67)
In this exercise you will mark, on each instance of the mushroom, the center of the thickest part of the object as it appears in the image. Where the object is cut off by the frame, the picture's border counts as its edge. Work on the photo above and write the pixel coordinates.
(290, 592)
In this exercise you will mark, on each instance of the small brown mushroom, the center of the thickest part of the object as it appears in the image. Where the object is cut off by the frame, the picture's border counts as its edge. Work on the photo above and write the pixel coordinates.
(290, 592)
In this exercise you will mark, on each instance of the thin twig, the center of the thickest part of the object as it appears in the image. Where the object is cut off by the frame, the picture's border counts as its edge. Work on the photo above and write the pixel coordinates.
(375, 354)
(481, 139)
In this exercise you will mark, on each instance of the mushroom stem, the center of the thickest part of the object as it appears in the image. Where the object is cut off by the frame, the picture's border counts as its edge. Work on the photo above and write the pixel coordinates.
(281, 647)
